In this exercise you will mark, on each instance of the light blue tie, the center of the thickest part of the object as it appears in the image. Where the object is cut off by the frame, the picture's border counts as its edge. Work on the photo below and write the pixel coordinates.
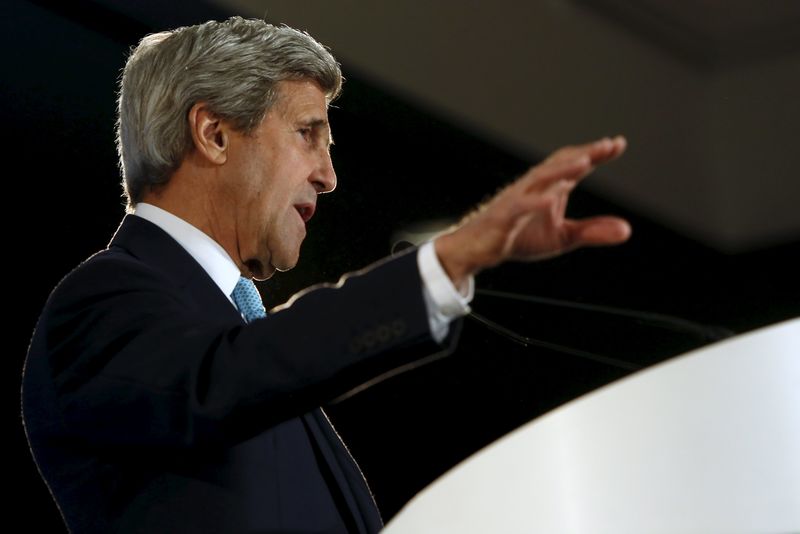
(246, 297)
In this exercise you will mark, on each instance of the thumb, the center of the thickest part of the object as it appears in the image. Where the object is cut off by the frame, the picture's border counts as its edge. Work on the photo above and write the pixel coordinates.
(594, 231)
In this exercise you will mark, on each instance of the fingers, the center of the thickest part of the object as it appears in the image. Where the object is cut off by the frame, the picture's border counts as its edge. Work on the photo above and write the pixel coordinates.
(596, 231)
(610, 150)
(547, 174)
(572, 163)
(599, 151)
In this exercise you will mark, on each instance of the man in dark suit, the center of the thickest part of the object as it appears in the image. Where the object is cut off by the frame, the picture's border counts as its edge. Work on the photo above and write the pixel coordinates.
(153, 399)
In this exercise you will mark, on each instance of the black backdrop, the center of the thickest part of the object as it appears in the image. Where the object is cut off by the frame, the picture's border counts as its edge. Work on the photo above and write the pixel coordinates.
(397, 164)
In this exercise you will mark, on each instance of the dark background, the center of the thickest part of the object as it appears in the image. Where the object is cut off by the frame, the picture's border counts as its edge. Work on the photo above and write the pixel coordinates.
(397, 164)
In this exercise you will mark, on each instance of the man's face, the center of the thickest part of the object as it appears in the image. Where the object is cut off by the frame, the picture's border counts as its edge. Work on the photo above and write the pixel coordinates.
(274, 176)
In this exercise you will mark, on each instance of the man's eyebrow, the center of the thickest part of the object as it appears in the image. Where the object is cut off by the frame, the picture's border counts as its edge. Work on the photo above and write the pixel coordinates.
(314, 122)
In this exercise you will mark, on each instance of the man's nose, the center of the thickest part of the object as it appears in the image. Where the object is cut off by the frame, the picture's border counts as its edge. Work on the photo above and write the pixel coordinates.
(324, 177)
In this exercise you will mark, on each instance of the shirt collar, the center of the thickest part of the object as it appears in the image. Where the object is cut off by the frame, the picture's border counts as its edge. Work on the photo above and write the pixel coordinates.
(207, 252)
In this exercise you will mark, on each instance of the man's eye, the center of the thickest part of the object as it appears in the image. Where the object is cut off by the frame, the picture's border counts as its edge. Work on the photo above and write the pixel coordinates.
(306, 133)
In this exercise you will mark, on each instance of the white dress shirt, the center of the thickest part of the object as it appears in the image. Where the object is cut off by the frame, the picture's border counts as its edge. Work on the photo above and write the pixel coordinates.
(443, 301)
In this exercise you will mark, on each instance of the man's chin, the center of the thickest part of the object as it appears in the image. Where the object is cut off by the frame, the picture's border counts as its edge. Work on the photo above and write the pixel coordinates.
(282, 268)
(258, 271)
(264, 275)
(262, 269)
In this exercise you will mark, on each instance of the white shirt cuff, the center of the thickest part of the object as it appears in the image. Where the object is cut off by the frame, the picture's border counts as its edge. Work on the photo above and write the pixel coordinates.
(442, 300)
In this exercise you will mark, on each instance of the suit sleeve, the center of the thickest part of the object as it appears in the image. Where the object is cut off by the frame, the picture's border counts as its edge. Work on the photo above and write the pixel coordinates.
(130, 362)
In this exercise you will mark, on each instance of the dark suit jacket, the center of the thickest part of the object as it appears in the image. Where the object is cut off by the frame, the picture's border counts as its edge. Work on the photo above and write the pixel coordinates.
(151, 407)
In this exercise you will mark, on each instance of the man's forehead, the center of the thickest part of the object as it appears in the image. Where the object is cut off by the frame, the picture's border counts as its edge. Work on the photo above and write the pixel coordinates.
(302, 100)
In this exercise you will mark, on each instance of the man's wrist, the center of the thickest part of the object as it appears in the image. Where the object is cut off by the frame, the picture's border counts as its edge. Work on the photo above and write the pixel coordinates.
(450, 257)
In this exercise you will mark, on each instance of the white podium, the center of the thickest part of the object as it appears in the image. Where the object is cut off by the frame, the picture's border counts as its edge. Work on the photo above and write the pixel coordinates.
(706, 442)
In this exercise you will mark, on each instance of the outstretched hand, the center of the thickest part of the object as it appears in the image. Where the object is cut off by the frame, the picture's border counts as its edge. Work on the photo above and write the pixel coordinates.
(526, 220)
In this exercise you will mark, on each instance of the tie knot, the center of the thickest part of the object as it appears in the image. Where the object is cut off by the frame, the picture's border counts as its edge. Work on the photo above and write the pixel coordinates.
(248, 300)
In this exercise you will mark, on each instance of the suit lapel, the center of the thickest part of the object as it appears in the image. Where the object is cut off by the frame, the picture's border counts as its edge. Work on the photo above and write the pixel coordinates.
(151, 244)
(346, 473)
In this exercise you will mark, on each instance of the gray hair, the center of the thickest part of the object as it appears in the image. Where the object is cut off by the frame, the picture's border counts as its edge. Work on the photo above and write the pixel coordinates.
(234, 66)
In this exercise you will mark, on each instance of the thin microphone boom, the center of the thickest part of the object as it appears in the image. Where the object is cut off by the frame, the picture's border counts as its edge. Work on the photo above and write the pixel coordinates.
(528, 341)
(653, 319)
(676, 324)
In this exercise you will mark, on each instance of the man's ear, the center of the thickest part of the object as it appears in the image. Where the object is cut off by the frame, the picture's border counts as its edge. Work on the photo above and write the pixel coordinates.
(210, 134)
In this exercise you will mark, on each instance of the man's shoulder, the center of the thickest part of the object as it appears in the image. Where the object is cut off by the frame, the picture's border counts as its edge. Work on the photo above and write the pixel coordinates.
(140, 255)
(110, 270)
